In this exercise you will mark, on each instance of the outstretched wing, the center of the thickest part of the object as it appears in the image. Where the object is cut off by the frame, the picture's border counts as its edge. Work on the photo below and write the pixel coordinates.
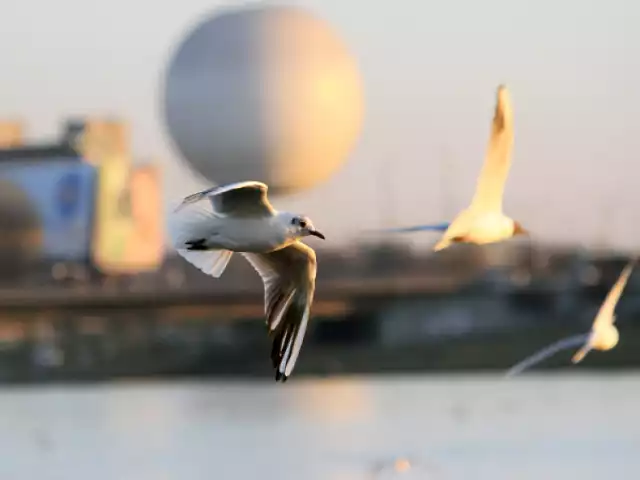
(289, 277)
(547, 352)
(435, 227)
(242, 199)
(490, 185)
(606, 312)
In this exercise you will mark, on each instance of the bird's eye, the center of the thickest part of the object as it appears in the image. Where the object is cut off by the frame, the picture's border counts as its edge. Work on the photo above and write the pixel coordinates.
(303, 224)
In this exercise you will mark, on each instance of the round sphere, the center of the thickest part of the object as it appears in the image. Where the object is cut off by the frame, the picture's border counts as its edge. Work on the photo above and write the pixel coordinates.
(265, 93)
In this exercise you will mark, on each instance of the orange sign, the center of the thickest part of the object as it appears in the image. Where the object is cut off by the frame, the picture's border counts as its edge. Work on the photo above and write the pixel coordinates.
(10, 134)
(146, 240)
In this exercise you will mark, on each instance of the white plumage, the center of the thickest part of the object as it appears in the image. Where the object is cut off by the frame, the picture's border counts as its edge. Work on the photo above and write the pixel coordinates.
(239, 218)
(603, 335)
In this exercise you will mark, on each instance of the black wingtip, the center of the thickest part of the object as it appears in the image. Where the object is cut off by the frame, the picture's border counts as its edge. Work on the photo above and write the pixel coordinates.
(281, 377)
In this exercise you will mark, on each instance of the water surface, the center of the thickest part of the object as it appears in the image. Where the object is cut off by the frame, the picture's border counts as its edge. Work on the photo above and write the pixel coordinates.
(450, 427)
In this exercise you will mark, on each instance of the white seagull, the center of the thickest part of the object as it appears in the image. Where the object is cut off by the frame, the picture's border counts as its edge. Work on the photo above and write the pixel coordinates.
(603, 335)
(483, 221)
(242, 220)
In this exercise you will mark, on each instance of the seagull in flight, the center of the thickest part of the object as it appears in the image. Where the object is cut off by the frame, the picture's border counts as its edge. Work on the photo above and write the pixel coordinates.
(603, 335)
(239, 218)
(483, 221)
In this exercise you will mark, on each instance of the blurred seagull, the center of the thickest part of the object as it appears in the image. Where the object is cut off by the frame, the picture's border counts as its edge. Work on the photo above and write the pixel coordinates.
(603, 335)
(483, 221)
(242, 220)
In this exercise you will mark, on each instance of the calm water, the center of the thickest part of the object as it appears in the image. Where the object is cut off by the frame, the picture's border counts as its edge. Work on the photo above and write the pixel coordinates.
(480, 427)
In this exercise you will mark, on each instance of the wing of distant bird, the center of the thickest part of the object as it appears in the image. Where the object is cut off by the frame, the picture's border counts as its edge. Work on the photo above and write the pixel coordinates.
(546, 352)
(492, 179)
(436, 227)
(606, 312)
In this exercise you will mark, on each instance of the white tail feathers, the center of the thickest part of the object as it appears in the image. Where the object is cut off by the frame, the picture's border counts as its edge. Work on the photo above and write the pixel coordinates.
(193, 222)
(211, 262)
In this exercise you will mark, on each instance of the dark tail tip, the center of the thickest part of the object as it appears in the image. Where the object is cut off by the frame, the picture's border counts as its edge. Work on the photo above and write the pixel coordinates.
(281, 377)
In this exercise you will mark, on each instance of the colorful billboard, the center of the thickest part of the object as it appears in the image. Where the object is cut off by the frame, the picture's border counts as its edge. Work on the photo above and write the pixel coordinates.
(146, 243)
(128, 234)
(62, 195)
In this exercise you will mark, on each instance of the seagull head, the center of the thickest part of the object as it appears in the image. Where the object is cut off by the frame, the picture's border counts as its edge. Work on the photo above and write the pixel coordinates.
(518, 229)
(303, 226)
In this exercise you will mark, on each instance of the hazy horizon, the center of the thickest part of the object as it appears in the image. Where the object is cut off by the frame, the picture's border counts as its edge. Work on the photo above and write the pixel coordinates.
(430, 73)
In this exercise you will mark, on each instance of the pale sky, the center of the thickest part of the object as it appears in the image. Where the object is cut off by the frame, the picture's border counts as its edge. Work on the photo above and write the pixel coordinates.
(430, 70)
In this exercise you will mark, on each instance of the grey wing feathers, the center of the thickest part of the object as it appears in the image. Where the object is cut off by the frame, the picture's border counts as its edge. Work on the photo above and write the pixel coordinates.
(242, 199)
(546, 352)
(289, 281)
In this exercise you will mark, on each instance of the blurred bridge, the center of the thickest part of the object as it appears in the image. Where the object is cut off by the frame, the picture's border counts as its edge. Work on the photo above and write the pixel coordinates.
(403, 313)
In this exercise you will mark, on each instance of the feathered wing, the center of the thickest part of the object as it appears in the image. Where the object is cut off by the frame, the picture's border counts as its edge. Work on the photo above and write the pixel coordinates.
(434, 227)
(493, 176)
(547, 352)
(211, 262)
(444, 242)
(193, 224)
(193, 219)
(242, 199)
(289, 285)
(582, 352)
(457, 228)
(606, 312)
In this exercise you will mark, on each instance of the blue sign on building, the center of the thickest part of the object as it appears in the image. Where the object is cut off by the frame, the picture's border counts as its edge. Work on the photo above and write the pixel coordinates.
(62, 192)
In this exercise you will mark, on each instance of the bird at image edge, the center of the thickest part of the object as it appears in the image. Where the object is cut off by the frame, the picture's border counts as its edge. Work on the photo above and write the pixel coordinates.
(483, 221)
(603, 335)
(208, 226)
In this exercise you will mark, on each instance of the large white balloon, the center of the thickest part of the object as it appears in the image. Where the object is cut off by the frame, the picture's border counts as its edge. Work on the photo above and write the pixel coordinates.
(265, 93)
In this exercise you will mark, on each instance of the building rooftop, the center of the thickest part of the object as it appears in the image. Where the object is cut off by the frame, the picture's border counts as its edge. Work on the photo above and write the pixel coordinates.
(38, 152)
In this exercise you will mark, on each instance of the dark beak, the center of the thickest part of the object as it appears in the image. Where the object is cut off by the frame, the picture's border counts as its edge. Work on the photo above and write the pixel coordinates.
(316, 233)
(520, 231)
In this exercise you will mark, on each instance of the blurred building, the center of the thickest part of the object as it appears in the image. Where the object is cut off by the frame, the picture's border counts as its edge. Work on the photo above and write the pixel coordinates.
(77, 206)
